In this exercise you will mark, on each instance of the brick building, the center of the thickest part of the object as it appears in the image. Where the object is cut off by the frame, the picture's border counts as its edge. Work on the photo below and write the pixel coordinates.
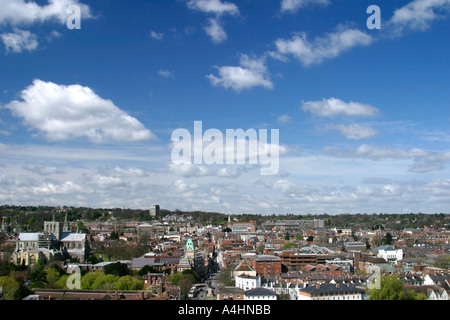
(267, 265)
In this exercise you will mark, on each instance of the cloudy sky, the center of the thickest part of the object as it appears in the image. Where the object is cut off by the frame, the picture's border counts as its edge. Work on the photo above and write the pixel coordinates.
(87, 111)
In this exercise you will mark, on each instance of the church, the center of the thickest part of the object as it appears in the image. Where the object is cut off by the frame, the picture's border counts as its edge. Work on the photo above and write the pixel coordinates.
(55, 243)
(191, 261)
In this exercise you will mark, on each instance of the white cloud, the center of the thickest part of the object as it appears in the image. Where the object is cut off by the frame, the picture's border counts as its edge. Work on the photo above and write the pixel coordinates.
(66, 188)
(213, 6)
(165, 74)
(19, 41)
(60, 112)
(251, 73)
(320, 49)
(417, 15)
(156, 35)
(295, 5)
(283, 119)
(44, 170)
(355, 131)
(366, 151)
(215, 30)
(21, 12)
(333, 107)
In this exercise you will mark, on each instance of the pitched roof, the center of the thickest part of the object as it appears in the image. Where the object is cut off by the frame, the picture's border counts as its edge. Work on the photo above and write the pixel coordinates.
(328, 288)
(139, 263)
(260, 292)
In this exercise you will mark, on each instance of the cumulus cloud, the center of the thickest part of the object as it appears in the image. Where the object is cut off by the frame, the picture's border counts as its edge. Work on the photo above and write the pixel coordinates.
(60, 112)
(213, 6)
(333, 107)
(214, 29)
(66, 188)
(417, 15)
(21, 12)
(19, 40)
(295, 5)
(251, 73)
(320, 49)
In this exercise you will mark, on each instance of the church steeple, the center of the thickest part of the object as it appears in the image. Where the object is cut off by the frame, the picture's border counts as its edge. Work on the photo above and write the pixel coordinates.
(66, 224)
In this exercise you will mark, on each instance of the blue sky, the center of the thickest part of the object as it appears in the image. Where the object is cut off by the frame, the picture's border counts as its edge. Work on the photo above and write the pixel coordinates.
(86, 115)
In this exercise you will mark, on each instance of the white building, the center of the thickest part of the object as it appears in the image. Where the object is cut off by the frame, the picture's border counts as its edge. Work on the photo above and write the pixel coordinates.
(247, 282)
(329, 291)
(258, 294)
(390, 254)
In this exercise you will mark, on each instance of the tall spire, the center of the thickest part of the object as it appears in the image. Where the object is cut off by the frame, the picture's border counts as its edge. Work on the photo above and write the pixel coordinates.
(66, 224)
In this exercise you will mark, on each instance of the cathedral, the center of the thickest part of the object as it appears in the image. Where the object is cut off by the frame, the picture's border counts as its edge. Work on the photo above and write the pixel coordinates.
(55, 243)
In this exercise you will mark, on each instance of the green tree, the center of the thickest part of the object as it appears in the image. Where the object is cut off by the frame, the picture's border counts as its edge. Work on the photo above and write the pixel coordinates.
(52, 276)
(391, 288)
(413, 295)
(10, 287)
(225, 276)
(175, 278)
(442, 262)
(185, 285)
(61, 283)
(38, 277)
(117, 269)
(129, 283)
(105, 282)
(189, 273)
(289, 245)
(387, 239)
(88, 280)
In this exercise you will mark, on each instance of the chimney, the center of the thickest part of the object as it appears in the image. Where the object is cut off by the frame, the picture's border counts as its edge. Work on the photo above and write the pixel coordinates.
(337, 285)
(317, 286)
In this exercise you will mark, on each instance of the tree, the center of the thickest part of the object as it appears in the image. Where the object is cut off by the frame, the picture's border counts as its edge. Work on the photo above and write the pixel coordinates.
(52, 276)
(387, 239)
(175, 278)
(38, 277)
(289, 245)
(225, 276)
(189, 273)
(185, 285)
(88, 280)
(129, 283)
(117, 269)
(105, 282)
(391, 288)
(413, 295)
(9, 288)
